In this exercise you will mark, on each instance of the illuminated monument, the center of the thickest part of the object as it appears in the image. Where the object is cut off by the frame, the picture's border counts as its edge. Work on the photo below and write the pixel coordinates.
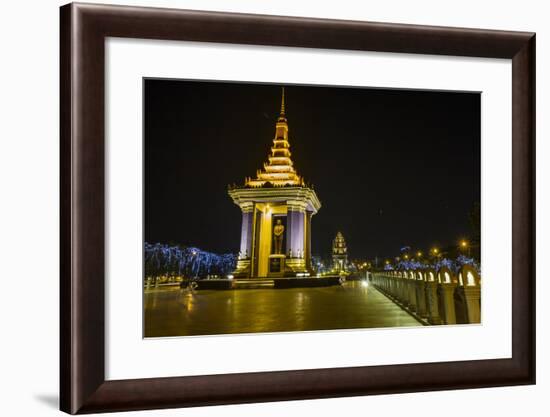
(277, 207)
(339, 253)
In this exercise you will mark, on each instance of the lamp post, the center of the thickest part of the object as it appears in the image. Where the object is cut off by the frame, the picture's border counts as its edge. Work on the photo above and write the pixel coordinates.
(194, 253)
(465, 246)
(436, 254)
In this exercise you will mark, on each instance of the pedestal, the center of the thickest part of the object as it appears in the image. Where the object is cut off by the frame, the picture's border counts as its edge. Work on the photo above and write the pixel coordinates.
(295, 266)
(276, 267)
(243, 268)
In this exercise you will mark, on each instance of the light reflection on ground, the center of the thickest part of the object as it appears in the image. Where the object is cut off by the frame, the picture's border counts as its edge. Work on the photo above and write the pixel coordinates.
(175, 312)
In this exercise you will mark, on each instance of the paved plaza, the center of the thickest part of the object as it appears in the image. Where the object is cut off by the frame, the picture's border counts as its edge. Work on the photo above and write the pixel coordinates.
(176, 312)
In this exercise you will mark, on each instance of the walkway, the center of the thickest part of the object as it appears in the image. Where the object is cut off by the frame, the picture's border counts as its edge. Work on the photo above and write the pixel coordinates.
(174, 312)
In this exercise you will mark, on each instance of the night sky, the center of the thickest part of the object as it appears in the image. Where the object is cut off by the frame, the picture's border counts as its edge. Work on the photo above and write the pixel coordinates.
(390, 167)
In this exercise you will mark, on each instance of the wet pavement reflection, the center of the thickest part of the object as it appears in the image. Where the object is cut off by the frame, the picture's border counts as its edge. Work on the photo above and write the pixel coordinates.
(176, 312)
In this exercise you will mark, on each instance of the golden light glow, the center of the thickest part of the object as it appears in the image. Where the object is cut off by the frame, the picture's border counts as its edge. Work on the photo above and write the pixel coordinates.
(264, 247)
(419, 254)
(278, 171)
(463, 243)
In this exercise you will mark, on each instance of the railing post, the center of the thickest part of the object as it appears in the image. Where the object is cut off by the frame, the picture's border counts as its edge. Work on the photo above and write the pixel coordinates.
(395, 285)
(404, 289)
(447, 286)
(376, 279)
(412, 290)
(398, 287)
(470, 285)
(420, 294)
(431, 297)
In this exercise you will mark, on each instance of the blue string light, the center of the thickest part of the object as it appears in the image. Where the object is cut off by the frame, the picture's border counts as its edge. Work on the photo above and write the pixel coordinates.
(453, 265)
(161, 259)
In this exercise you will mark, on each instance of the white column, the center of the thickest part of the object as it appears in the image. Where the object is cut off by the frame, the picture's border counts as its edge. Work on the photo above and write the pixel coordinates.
(246, 230)
(296, 219)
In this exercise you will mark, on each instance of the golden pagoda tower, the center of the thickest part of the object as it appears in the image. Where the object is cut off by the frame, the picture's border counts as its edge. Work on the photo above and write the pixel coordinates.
(277, 207)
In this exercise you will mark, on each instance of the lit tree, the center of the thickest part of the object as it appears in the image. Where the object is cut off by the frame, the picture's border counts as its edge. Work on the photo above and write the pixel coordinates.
(161, 259)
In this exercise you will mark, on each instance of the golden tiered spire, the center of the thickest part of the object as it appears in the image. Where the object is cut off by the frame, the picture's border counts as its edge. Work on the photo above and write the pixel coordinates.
(279, 170)
(283, 103)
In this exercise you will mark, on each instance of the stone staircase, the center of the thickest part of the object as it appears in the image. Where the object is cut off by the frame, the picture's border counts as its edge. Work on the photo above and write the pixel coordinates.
(253, 283)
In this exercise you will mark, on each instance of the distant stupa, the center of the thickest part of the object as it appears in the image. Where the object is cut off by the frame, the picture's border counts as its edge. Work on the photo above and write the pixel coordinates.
(339, 253)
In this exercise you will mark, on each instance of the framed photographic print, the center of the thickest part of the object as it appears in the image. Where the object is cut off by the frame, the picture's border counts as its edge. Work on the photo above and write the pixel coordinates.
(264, 208)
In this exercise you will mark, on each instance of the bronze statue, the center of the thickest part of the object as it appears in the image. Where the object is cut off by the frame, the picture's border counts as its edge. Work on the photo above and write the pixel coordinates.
(278, 231)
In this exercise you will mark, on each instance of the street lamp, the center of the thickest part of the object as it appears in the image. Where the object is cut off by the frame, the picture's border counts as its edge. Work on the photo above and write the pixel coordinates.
(435, 253)
(419, 254)
(464, 245)
(194, 253)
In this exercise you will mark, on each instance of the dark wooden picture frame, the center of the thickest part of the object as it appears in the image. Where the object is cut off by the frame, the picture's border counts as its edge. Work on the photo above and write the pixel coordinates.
(84, 29)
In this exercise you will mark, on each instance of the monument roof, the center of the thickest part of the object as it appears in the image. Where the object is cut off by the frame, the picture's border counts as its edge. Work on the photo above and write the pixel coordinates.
(279, 169)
